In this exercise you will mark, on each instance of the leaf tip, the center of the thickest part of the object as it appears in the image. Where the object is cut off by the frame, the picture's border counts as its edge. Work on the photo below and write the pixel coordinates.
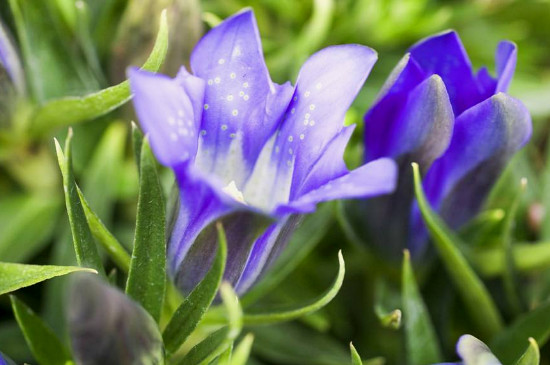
(406, 255)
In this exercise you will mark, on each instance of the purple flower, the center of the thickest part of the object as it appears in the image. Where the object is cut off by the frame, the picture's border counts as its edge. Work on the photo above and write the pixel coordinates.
(460, 126)
(4, 360)
(251, 151)
(474, 352)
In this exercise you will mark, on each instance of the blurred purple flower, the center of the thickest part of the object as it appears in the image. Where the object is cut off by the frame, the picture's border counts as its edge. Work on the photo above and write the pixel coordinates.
(9, 61)
(248, 150)
(473, 352)
(459, 126)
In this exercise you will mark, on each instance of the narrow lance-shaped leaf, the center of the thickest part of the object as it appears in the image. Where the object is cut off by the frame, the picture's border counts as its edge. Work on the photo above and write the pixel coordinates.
(44, 344)
(420, 338)
(481, 307)
(190, 312)
(242, 351)
(355, 358)
(225, 357)
(147, 276)
(510, 277)
(137, 142)
(17, 276)
(84, 245)
(70, 110)
(531, 356)
(301, 310)
(510, 343)
(216, 344)
(105, 238)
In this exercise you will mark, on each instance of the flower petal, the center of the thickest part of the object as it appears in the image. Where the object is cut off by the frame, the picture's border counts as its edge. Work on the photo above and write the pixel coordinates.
(326, 86)
(381, 118)
(374, 178)
(445, 56)
(484, 139)
(106, 327)
(330, 164)
(242, 105)
(506, 58)
(191, 249)
(266, 249)
(424, 128)
(474, 352)
(167, 112)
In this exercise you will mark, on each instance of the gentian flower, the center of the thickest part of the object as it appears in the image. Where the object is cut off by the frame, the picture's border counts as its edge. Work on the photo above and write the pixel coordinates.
(460, 126)
(474, 352)
(244, 148)
(4, 360)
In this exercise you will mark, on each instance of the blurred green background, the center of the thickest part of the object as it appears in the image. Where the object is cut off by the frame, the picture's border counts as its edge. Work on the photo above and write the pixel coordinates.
(72, 48)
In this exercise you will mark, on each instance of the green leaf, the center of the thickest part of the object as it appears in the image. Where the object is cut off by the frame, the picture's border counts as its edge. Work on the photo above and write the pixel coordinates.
(52, 62)
(294, 343)
(218, 342)
(528, 257)
(44, 344)
(26, 224)
(192, 309)
(355, 358)
(206, 347)
(386, 299)
(147, 277)
(510, 279)
(137, 142)
(242, 351)
(301, 310)
(420, 338)
(17, 276)
(510, 343)
(71, 110)
(84, 245)
(481, 307)
(303, 241)
(103, 172)
(225, 357)
(105, 238)
(531, 356)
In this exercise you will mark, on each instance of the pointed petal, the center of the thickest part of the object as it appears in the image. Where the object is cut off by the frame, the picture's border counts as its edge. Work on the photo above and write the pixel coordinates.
(506, 58)
(484, 139)
(424, 128)
(242, 105)
(266, 250)
(474, 352)
(381, 119)
(167, 112)
(330, 164)
(444, 54)
(326, 86)
(374, 178)
(485, 81)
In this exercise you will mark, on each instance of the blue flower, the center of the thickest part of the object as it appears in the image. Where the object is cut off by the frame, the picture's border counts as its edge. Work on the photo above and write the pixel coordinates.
(244, 149)
(460, 126)
(473, 352)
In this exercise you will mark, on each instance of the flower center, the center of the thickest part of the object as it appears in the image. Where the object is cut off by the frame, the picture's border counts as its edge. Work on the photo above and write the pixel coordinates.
(232, 190)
